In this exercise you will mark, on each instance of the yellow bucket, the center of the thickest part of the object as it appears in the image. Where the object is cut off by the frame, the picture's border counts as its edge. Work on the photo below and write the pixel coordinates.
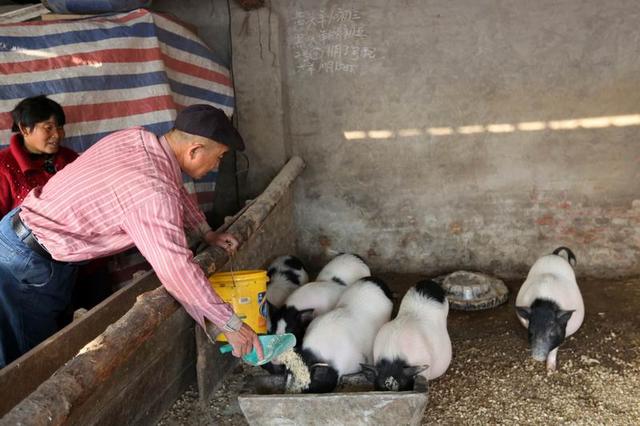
(245, 291)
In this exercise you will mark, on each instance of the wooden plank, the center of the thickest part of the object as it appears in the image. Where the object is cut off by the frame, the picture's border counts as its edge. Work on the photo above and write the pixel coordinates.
(156, 374)
(26, 373)
(212, 367)
(63, 16)
(53, 401)
(23, 14)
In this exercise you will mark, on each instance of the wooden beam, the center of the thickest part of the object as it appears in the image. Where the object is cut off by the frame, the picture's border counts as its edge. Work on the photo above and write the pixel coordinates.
(65, 16)
(53, 400)
(23, 14)
(26, 373)
(156, 374)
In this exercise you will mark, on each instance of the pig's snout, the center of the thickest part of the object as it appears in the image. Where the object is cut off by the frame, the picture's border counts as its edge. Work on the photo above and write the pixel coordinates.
(540, 351)
(539, 356)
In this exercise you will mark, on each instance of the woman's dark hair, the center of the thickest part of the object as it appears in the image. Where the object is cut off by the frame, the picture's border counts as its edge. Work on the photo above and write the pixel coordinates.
(36, 109)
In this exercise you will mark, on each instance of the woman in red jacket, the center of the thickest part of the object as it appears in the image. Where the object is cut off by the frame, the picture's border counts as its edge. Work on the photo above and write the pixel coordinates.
(34, 155)
(35, 152)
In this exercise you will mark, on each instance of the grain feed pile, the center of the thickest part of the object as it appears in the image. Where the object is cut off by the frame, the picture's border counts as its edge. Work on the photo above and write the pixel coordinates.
(300, 377)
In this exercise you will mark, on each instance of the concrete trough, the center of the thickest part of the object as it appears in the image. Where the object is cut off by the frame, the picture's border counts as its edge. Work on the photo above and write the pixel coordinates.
(263, 402)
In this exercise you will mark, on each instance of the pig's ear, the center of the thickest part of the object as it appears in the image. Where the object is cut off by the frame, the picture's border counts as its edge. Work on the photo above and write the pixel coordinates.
(275, 313)
(415, 370)
(523, 312)
(563, 316)
(271, 271)
(370, 372)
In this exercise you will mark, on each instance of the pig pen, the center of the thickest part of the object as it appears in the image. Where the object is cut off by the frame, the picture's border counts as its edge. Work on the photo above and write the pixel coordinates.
(493, 380)
(424, 156)
(150, 365)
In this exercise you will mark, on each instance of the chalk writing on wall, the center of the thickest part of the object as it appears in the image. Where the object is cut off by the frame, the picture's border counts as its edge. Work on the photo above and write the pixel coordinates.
(330, 41)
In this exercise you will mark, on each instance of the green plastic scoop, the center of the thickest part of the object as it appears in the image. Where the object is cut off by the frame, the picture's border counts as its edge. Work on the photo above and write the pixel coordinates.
(273, 345)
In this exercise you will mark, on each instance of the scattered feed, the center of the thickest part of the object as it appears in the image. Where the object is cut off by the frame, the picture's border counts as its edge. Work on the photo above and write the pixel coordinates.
(492, 378)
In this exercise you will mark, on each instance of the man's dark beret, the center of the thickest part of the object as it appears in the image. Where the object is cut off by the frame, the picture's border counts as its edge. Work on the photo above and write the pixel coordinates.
(209, 122)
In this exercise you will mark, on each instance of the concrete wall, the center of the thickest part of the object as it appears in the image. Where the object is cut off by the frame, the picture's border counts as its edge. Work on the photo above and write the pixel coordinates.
(442, 135)
(260, 94)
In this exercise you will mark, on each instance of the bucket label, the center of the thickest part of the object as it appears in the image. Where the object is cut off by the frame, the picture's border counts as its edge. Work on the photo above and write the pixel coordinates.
(244, 300)
(263, 305)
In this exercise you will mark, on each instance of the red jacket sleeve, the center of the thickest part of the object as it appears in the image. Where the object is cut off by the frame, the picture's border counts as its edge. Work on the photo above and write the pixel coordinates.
(6, 197)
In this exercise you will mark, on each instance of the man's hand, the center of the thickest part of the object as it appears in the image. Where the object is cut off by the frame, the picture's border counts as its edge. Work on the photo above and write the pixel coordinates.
(243, 341)
(223, 240)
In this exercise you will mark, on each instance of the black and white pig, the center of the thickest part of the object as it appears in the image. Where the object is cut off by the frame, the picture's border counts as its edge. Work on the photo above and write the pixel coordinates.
(320, 296)
(286, 274)
(549, 304)
(338, 342)
(345, 269)
(415, 343)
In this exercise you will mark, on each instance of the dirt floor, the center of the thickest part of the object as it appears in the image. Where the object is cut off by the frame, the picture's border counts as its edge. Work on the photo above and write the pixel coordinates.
(493, 380)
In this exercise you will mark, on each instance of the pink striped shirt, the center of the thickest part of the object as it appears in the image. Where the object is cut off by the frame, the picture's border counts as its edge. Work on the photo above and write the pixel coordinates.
(127, 190)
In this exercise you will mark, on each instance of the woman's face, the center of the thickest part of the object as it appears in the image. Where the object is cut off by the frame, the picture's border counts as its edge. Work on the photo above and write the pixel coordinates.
(44, 138)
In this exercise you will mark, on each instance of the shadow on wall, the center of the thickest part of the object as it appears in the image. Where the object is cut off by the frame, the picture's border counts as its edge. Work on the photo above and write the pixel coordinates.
(528, 126)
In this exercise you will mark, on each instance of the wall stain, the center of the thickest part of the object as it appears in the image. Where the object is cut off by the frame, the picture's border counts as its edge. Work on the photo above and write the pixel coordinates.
(455, 228)
(546, 220)
(325, 242)
(565, 205)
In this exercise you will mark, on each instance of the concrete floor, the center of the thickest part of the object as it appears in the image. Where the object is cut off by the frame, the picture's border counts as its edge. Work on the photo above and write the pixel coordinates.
(492, 379)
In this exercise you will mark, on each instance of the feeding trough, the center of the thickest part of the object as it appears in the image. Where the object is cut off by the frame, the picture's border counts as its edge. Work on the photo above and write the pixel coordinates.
(263, 402)
(473, 291)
